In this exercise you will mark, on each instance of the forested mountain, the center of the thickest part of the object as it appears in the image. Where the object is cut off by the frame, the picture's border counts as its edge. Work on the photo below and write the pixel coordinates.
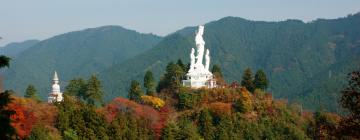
(13, 49)
(75, 54)
(305, 62)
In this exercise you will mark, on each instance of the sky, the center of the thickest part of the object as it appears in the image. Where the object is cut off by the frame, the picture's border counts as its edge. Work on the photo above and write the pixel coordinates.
(41, 19)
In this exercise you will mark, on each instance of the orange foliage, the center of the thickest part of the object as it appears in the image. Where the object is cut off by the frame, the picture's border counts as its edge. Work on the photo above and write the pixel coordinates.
(22, 120)
(30, 112)
(220, 108)
(156, 118)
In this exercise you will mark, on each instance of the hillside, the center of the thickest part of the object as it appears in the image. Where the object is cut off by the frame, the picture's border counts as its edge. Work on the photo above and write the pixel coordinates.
(305, 62)
(75, 54)
(13, 49)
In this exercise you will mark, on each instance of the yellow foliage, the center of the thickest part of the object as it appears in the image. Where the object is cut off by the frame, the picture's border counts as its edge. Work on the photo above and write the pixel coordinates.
(153, 101)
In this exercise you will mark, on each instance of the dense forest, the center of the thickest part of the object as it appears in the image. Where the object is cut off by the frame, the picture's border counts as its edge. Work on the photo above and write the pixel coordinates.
(166, 110)
(306, 63)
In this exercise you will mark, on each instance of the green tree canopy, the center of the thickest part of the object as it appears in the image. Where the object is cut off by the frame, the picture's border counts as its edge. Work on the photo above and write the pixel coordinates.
(135, 91)
(248, 80)
(76, 87)
(207, 128)
(182, 65)
(6, 130)
(94, 91)
(350, 100)
(172, 78)
(149, 83)
(31, 92)
(216, 70)
(261, 81)
(170, 131)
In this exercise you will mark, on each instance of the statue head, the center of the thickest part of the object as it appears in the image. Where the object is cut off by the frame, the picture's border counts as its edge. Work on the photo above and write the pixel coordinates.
(201, 30)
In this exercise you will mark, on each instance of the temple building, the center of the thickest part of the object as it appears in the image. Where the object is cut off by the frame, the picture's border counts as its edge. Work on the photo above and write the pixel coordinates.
(55, 95)
(199, 75)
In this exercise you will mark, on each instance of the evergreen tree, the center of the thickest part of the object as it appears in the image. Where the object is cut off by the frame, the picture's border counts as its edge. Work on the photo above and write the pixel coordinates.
(4, 61)
(31, 92)
(248, 80)
(207, 129)
(188, 131)
(172, 79)
(149, 83)
(94, 91)
(6, 130)
(76, 87)
(350, 100)
(170, 131)
(224, 130)
(135, 91)
(261, 82)
(182, 65)
(216, 70)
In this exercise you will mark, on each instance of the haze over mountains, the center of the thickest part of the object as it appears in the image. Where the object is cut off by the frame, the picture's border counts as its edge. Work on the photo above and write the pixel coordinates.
(305, 62)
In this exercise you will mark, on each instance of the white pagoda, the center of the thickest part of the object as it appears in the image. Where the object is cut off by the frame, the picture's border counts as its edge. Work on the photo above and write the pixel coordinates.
(55, 95)
(199, 75)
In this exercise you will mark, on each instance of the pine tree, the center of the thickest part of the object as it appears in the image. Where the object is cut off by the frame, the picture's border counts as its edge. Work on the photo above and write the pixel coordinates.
(170, 131)
(94, 91)
(135, 91)
(216, 70)
(350, 100)
(182, 65)
(172, 79)
(76, 87)
(224, 130)
(6, 130)
(261, 82)
(188, 131)
(31, 92)
(4, 61)
(207, 129)
(149, 83)
(248, 80)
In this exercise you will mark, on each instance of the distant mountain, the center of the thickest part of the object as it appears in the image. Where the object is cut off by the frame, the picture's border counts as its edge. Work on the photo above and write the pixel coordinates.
(305, 62)
(13, 49)
(75, 54)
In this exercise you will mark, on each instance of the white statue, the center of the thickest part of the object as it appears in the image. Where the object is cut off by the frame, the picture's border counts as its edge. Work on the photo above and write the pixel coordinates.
(199, 75)
(200, 45)
(192, 60)
(207, 60)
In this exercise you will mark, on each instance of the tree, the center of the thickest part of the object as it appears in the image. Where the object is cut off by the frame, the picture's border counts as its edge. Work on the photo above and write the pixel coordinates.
(207, 129)
(4, 61)
(216, 70)
(350, 100)
(170, 131)
(31, 92)
(182, 65)
(244, 104)
(149, 83)
(248, 80)
(135, 91)
(6, 130)
(94, 91)
(76, 87)
(172, 78)
(189, 131)
(261, 82)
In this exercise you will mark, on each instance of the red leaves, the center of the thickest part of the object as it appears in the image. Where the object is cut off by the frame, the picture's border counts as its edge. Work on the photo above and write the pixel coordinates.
(22, 120)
